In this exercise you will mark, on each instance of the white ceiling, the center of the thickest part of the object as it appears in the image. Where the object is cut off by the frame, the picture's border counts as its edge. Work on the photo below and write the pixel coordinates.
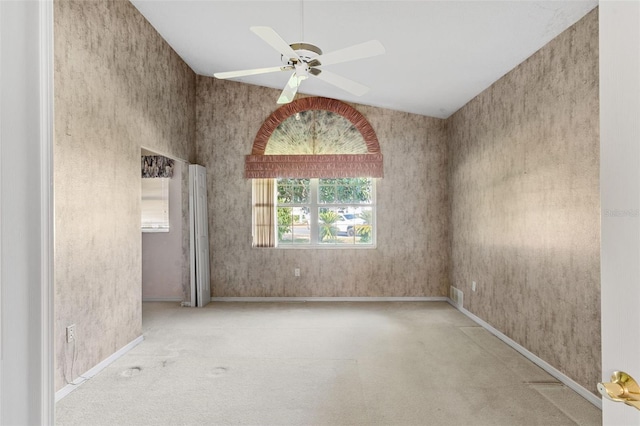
(439, 54)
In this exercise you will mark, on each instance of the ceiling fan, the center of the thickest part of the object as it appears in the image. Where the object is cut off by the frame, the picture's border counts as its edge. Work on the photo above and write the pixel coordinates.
(306, 60)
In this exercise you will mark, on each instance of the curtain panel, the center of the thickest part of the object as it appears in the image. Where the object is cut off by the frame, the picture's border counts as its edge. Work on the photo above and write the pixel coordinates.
(264, 212)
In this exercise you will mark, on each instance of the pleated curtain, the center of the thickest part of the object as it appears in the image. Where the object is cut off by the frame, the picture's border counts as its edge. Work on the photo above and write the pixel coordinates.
(264, 212)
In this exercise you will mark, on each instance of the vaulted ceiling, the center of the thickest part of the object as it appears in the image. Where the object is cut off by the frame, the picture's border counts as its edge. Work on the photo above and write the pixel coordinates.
(439, 54)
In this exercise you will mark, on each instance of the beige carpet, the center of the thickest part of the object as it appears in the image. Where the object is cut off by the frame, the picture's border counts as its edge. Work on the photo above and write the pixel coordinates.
(421, 363)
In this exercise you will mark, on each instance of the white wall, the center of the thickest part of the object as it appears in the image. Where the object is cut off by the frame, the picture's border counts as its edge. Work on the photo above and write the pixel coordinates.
(620, 196)
(26, 70)
(162, 256)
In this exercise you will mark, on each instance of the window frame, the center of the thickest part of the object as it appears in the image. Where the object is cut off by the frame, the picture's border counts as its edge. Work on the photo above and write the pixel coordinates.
(314, 205)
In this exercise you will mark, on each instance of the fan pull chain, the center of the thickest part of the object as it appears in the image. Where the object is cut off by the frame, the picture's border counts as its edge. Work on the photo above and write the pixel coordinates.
(302, 19)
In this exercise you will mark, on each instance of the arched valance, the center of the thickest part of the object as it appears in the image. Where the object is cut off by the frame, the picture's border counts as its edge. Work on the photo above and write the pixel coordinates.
(315, 138)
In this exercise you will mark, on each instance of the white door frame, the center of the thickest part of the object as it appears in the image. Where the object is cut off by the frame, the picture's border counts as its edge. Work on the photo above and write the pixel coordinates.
(619, 51)
(26, 202)
(47, 217)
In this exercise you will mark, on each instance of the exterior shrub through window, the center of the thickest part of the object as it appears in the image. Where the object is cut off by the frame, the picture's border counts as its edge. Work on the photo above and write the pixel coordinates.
(326, 212)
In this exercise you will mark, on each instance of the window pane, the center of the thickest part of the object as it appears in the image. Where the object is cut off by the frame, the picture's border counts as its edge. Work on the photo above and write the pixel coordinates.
(301, 233)
(293, 191)
(345, 225)
(285, 193)
(364, 226)
(301, 191)
(293, 226)
(362, 191)
(326, 194)
(327, 231)
(285, 221)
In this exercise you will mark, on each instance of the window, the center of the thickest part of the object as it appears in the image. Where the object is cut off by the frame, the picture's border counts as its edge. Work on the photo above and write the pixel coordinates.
(336, 212)
(155, 205)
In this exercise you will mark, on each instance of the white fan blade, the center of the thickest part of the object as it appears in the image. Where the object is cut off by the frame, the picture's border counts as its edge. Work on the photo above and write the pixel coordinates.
(358, 51)
(290, 90)
(274, 40)
(341, 82)
(233, 74)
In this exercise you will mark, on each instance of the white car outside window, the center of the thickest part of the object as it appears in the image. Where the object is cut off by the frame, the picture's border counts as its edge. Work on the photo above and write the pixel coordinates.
(347, 222)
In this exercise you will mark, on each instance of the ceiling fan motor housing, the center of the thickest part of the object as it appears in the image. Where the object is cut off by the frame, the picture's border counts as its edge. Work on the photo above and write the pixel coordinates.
(307, 52)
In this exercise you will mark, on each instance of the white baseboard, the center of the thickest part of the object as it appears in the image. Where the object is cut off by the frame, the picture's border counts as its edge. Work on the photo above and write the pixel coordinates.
(162, 299)
(566, 380)
(98, 368)
(329, 299)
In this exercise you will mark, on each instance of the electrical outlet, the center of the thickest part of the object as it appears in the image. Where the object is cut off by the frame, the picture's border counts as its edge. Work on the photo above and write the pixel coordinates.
(296, 272)
(473, 285)
(71, 333)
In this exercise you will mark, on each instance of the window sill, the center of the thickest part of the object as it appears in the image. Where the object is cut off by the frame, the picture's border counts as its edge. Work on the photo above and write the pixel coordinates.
(154, 230)
(327, 247)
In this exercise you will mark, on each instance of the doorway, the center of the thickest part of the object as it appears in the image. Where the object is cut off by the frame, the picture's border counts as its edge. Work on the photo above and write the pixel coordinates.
(165, 247)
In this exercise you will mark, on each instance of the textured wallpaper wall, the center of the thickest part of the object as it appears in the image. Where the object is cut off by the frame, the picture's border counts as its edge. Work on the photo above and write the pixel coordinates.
(412, 217)
(118, 86)
(525, 207)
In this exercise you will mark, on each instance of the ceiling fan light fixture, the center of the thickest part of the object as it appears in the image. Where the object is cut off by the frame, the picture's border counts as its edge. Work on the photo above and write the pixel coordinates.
(304, 58)
(302, 71)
